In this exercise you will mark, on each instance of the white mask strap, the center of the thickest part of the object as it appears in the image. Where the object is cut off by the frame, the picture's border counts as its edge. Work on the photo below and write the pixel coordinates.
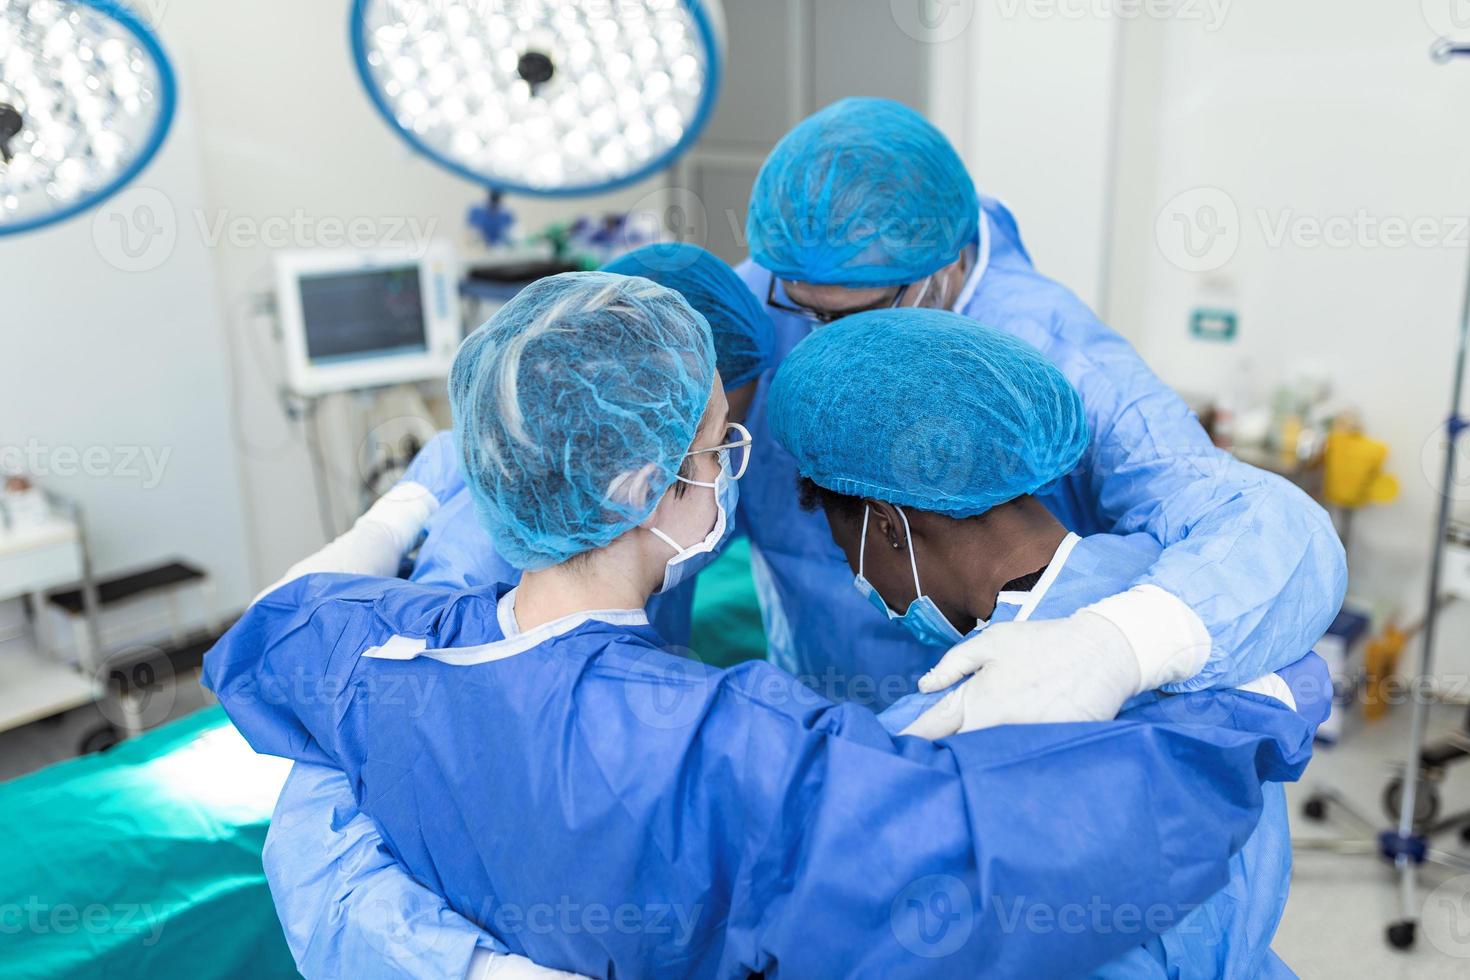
(913, 561)
(863, 542)
(863, 546)
(665, 539)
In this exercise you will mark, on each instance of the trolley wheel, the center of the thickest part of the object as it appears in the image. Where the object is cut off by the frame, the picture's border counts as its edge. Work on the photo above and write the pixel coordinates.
(1315, 808)
(1465, 834)
(1401, 934)
(1426, 800)
(100, 739)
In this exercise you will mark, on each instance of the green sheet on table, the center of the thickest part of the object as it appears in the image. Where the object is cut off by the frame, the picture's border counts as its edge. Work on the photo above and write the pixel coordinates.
(145, 861)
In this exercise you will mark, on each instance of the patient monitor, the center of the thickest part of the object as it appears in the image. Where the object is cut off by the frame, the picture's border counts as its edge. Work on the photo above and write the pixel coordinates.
(365, 318)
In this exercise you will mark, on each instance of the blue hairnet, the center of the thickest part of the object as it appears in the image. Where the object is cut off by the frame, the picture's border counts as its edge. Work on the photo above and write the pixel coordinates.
(928, 409)
(741, 327)
(863, 193)
(573, 409)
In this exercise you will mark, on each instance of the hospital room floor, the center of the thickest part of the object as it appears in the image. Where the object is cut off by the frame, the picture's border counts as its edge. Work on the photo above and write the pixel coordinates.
(1339, 905)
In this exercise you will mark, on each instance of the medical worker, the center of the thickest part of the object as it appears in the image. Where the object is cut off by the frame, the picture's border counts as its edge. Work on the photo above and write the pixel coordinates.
(970, 549)
(457, 552)
(327, 870)
(865, 205)
(532, 755)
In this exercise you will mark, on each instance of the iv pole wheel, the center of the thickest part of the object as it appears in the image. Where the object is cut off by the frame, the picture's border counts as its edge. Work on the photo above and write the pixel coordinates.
(1426, 800)
(1401, 934)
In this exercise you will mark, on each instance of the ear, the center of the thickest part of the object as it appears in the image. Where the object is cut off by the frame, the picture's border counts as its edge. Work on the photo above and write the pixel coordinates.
(886, 524)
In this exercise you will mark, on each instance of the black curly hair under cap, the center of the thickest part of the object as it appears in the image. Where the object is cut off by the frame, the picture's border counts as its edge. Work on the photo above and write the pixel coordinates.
(814, 496)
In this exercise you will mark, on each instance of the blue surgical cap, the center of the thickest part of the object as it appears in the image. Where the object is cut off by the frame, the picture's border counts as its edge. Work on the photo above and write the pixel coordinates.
(742, 329)
(927, 409)
(573, 409)
(863, 193)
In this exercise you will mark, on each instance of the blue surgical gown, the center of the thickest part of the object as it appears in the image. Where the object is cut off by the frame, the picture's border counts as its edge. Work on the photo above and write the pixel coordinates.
(1230, 934)
(1250, 553)
(603, 807)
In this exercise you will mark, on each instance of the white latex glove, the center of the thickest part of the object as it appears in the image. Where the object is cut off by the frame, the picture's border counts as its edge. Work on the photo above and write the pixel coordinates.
(485, 965)
(377, 542)
(1081, 668)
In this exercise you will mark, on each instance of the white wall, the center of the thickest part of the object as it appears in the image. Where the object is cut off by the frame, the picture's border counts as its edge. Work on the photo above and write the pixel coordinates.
(126, 367)
(277, 144)
(1038, 132)
(1311, 113)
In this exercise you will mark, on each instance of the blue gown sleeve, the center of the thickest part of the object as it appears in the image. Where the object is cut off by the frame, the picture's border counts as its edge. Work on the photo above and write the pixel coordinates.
(1037, 850)
(436, 468)
(1249, 552)
(347, 907)
(836, 849)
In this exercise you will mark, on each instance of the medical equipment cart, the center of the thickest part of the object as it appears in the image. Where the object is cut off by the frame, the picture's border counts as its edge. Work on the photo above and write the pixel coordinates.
(33, 559)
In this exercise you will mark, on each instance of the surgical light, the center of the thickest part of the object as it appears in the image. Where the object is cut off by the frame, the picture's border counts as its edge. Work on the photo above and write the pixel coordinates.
(549, 97)
(86, 98)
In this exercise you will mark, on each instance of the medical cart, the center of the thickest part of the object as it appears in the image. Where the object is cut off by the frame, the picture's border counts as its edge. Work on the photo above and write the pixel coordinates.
(33, 559)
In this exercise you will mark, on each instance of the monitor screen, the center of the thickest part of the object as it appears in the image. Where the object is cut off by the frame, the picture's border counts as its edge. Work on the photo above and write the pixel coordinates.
(353, 315)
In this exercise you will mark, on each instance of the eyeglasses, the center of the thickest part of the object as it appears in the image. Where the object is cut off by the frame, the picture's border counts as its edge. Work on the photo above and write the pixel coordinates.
(823, 317)
(737, 445)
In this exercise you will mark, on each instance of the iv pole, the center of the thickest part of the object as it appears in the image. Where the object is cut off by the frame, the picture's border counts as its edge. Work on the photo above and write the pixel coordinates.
(1407, 847)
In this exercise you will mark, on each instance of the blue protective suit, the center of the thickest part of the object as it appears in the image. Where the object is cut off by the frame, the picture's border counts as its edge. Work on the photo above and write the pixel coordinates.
(456, 551)
(350, 909)
(1230, 934)
(1250, 553)
(697, 822)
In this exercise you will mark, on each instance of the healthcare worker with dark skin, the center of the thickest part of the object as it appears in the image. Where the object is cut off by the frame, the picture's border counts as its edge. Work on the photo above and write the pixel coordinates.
(866, 206)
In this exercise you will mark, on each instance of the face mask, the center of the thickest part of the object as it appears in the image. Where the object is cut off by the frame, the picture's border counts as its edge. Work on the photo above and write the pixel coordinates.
(923, 618)
(688, 561)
